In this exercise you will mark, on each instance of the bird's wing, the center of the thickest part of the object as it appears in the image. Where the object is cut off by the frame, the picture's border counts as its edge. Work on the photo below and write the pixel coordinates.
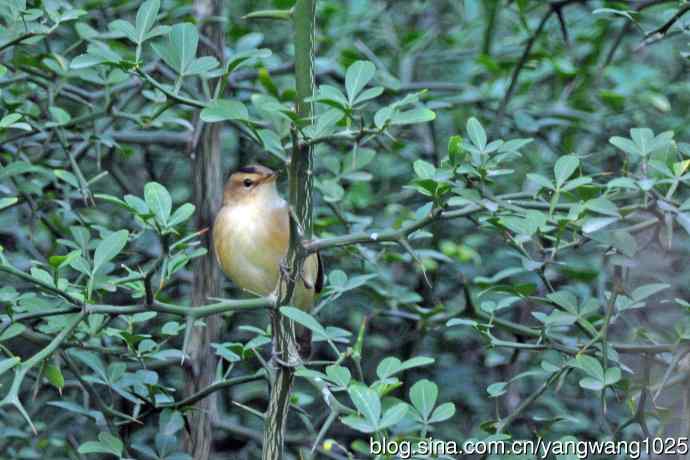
(313, 267)
(279, 230)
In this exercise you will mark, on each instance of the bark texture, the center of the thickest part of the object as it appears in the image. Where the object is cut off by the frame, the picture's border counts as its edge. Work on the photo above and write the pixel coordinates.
(285, 346)
(208, 191)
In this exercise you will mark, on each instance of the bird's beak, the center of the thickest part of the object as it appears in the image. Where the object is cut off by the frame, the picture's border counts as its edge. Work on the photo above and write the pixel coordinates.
(271, 178)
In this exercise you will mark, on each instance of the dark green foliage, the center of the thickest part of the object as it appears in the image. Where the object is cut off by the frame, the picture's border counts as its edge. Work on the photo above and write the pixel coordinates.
(501, 199)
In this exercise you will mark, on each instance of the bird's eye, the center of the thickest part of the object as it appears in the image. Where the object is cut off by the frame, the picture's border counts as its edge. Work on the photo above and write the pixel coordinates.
(248, 183)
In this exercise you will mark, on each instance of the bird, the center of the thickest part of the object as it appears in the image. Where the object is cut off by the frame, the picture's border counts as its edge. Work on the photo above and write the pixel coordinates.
(251, 234)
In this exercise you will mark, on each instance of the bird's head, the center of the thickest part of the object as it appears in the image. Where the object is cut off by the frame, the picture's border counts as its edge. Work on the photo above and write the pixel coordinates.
(250, 183)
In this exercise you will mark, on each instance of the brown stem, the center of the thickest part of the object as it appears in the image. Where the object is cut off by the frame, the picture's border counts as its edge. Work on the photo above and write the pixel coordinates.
(206, 283)
(300, 201)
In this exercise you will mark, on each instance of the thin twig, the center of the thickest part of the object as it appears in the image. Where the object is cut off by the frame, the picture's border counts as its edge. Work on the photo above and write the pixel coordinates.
(518, 68)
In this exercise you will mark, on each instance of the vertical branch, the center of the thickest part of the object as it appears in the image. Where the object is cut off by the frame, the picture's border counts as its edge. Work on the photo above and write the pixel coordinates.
(205, 153)
(491, 10)
(300, 201)
(300, 170)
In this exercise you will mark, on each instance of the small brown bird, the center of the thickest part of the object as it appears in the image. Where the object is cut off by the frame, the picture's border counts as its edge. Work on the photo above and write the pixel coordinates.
(251, 234)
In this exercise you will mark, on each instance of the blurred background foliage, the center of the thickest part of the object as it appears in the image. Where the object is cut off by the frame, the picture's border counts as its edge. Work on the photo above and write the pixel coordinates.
(547, 295)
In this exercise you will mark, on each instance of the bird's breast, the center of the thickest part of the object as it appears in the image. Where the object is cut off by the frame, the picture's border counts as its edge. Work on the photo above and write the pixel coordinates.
(250, 242)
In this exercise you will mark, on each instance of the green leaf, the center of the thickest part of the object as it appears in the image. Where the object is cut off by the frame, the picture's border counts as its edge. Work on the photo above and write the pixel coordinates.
(97, 416)
(111, 442)
(497, 389)
(185, 39)
(589, 383)
(332, 96)
(461, 322)
(93, 447)
(10, 119)
(67, 177)
(442, 413)
(612, 376)
(648, 290)
(417, 361)
(60, 116)
(108, 248)
(625, 145)
(245, 57)
(393, 415)
(564, 168)
(589, 365)
(106, 444)
(424, 169)
(368, 94)
(157, 31)
(224, 109)
(8, 201)
(170, 422)
(383, 116)
(476, 133)
(612, 11)
(358, 158)
(575, 183)
(413, 116)
(423, 396)
(339, 374)
(223, 350)
(84, 61)
(55, 377)
(278, 14)
(159, 202)
(171, 328)
(643, 138)
(388, 367)
(202, 65)
(104, 51)
(367, 403)
(514, 145)
(182, 214)
(12, 331)
(180, 49)
(331, 189)
(137, 204)
(597, 223)
(455, 150)
(303, 318)
(622, 182)
(542, 181)
(358, 423)
(604, 206)
(565, 299)
(356, 78)
(123, 28)
(146, 18)
(324, 123)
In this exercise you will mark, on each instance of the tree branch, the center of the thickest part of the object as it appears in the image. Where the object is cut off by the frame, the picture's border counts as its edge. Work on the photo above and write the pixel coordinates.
(285, 347)
(664, 28)
(391, 235)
